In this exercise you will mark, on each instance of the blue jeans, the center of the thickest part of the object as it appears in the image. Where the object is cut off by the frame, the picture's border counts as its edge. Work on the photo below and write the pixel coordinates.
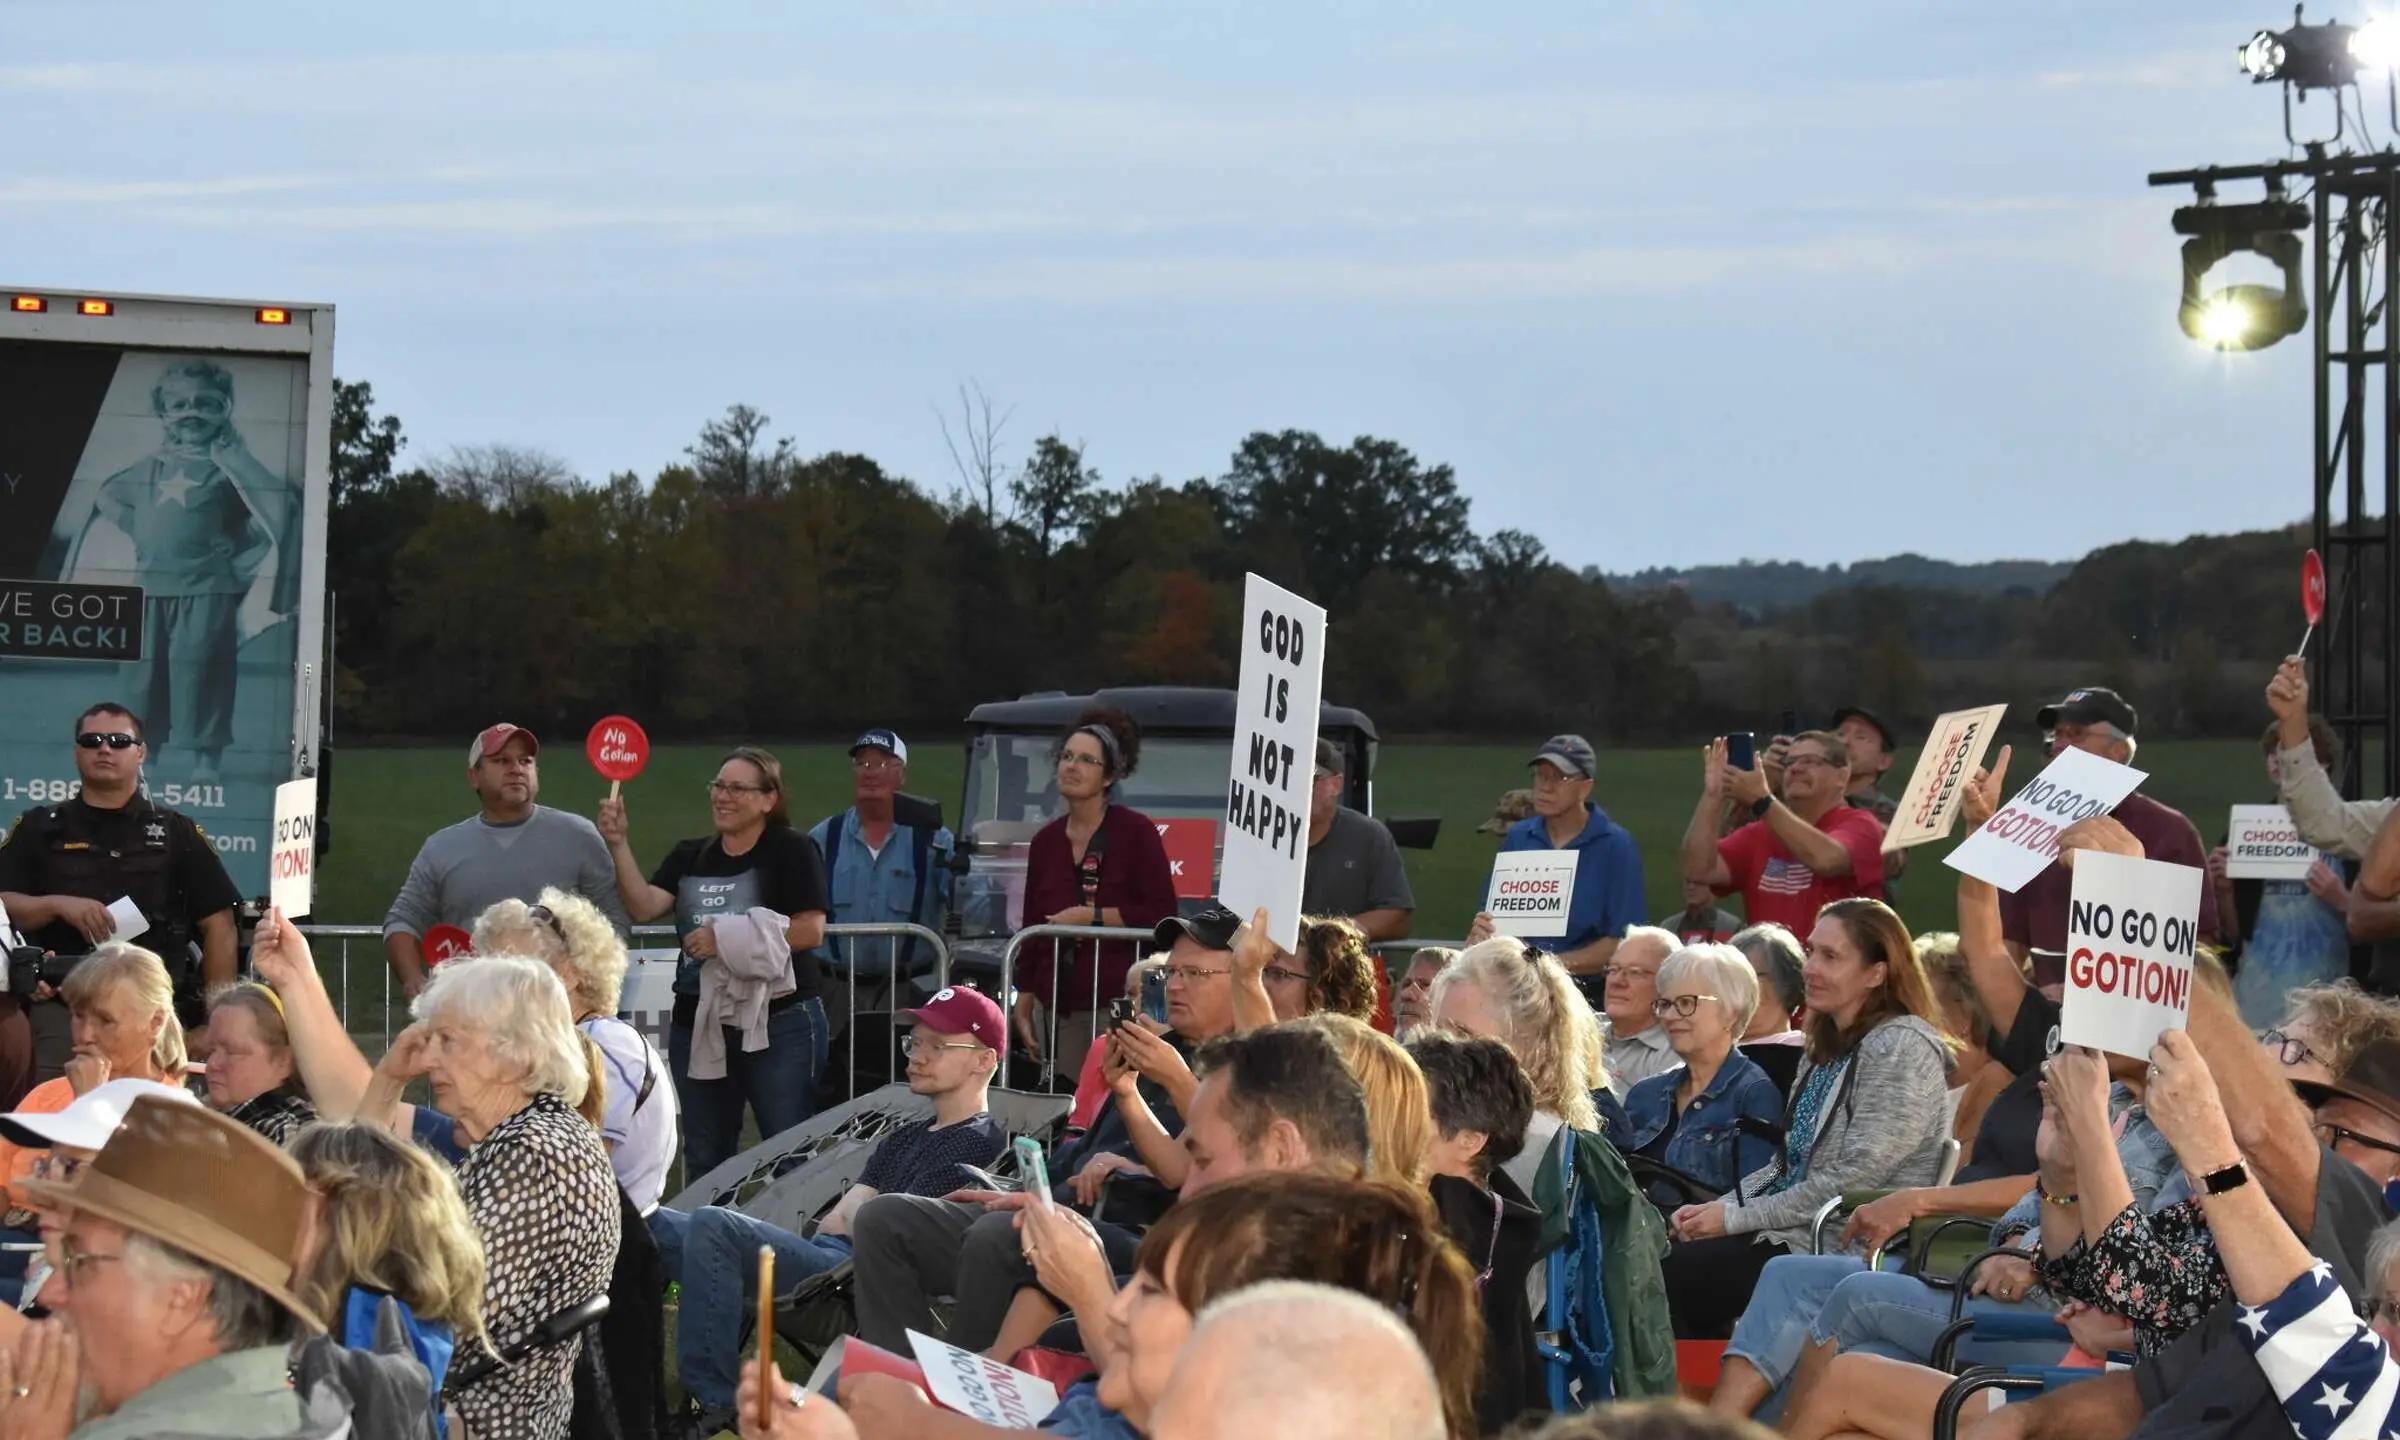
(720, 1283)
(1835, 1298)
(779, 1082)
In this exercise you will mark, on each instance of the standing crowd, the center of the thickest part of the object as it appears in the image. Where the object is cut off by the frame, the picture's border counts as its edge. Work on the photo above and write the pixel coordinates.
(1293, 1193)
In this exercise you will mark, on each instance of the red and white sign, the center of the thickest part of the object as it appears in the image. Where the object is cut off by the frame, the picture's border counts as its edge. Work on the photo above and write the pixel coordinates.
(984, 1389)
(2021, 841)
(2130, 929)
(446, 942)
(1191, 856)
(292, 860)
(1531, 890)
(1954, 750)
(2262, 843)
(2312, 588)
(617, 748)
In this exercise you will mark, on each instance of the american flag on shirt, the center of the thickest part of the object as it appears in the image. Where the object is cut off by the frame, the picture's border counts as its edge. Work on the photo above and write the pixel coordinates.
(1785, 877)
(2331, 1372)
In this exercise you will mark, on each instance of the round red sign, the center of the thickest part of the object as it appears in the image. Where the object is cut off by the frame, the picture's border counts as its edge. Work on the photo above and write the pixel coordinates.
(618, 748)
(447, 942)
(2312, 588)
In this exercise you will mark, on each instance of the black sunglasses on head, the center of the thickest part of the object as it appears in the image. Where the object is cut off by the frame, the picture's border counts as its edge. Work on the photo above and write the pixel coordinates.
(113, 739)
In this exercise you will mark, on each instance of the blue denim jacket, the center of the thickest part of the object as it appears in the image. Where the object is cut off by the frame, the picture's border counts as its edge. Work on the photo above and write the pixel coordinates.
(2151, 1170)
(1706, 1145)
(871, 889)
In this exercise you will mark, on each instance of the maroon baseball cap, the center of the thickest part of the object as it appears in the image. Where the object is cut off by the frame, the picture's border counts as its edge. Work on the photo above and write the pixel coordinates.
(960, 1011)
(494, 737)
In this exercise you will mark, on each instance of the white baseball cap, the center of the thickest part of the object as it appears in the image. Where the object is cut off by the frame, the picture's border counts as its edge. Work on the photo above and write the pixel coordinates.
(93, 1117)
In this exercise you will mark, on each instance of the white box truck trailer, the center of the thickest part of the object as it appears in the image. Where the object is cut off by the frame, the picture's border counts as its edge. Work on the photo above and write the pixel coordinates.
(164, 477)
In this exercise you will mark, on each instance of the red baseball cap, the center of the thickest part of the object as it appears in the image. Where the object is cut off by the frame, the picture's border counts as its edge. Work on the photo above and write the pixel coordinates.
(960, 1011)
(496, 736)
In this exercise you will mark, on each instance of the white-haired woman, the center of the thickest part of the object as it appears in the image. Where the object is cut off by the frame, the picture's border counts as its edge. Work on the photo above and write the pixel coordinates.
(122, 1007)
(570, 935)
(497, 1041)
(1689, 1118)
(1501, 990)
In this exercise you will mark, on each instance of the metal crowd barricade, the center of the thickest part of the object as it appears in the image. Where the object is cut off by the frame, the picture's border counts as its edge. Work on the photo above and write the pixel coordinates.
(895, 937)
(1055, 934)
(354, 995)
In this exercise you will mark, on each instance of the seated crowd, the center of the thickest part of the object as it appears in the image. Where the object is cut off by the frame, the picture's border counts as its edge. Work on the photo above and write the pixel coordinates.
(1266, 1215)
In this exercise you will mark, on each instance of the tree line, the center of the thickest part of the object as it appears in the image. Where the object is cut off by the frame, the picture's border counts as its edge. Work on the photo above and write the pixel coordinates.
(755, 590)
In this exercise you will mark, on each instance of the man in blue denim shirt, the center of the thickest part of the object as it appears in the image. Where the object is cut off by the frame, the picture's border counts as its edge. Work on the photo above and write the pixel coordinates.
(883, 871)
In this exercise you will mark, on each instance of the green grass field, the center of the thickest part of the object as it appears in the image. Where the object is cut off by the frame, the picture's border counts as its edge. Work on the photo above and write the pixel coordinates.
(386, 801)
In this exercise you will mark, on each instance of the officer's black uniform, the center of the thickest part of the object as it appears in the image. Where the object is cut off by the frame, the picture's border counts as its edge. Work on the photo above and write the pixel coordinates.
(155, 856)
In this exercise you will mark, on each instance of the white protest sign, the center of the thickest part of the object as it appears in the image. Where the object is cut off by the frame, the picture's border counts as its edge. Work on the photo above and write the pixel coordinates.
(984, 1389)
(646, 1001)
(2130, 928)
(1954, 749)
(2022, 839)
(1274, 757)
(1530, 892)
(2262, 843)
(292, 862)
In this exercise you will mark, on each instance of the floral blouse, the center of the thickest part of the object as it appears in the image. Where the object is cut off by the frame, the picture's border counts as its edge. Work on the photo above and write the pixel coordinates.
(2160, 1271)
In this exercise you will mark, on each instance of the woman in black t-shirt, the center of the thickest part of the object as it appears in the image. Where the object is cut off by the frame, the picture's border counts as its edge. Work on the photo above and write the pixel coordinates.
(755, 860)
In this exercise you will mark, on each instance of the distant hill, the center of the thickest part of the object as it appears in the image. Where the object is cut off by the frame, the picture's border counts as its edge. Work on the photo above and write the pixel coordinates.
(1761, 587)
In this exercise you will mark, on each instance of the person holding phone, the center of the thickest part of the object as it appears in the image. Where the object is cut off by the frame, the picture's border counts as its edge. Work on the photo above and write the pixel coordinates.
(1811, 848)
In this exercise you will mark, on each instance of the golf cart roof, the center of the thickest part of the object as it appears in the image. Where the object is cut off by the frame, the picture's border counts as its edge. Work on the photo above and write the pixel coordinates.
(1153, 707)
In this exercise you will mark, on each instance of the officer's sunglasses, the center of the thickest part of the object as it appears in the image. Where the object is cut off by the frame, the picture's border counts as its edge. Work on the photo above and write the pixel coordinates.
(113, 739)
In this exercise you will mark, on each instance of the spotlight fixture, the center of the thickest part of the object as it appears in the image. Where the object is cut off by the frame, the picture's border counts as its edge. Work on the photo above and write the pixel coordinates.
(2309, 57)
(2246, 316)
(2375, 45)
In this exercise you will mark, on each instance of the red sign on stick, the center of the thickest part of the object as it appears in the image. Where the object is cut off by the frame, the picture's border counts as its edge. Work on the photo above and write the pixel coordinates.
(618, 748)
(1191, 856)
(447, 942)
(2312, 588)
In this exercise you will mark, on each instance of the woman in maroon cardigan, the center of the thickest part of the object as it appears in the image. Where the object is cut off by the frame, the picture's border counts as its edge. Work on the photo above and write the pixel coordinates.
(1101, 863)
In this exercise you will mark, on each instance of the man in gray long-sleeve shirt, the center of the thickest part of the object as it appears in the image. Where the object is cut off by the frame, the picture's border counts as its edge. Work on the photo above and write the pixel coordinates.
(511, 851)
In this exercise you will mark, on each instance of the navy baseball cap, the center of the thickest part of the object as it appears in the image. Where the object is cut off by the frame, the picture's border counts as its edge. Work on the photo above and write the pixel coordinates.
(1572, 754)
(1212, 925)
(882, 740)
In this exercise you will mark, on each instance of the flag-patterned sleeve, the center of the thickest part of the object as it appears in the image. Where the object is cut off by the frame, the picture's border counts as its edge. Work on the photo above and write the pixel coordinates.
(2331, 1372)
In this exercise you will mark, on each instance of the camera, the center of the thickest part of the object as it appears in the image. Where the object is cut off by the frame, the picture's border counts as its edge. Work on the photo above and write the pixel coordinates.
(1121, 1012)
(30, 967)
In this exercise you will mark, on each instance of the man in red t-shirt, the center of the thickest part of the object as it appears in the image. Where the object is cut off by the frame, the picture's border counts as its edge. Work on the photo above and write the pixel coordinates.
(2034, 918)
(1809, 850)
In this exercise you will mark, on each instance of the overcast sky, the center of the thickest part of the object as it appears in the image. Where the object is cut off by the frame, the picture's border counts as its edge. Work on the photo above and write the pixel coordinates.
(1666, 283)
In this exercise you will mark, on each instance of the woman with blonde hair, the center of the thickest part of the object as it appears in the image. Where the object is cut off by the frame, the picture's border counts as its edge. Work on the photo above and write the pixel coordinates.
(1501, 989)
(635, 1107)
(1399, 1111)
(392, 1226)
(251, 1074)
(122, 1007)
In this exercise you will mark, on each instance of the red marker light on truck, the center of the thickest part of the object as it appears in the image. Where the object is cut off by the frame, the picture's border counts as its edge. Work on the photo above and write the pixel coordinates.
(274, 315)
(29, 304)
(96, 307)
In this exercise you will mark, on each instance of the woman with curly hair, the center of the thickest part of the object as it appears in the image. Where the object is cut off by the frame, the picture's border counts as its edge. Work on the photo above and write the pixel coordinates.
(1100, 863)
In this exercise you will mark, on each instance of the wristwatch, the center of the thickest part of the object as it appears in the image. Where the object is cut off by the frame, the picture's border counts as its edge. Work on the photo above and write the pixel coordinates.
(2217, 1182)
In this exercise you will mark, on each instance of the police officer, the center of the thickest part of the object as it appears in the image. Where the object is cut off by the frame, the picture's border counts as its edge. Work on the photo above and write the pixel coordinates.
(62, 865)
